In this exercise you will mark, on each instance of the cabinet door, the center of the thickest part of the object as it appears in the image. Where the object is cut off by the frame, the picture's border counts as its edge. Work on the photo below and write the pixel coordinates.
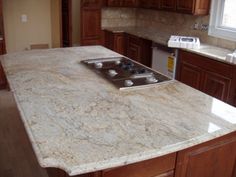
(185, 6)
(144, 4)
(216, 158)
(133, 48)
(91, 26)
(114, 3)
(130, 3)
(91, 3)
(202, 7)
(153, 4)
(216, 85)
(190, 75)
(2, 78)
(169, 5)
(119, 43)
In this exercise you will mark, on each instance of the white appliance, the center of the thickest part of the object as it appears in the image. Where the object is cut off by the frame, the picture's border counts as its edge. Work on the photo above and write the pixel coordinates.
(184, 42)
(164, 60)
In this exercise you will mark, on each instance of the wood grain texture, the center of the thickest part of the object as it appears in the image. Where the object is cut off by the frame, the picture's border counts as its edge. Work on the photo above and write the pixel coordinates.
(16, 155)
(215, 158)
(209, 76)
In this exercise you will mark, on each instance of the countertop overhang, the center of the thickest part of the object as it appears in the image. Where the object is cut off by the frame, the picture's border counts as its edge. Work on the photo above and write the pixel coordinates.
(80, 123)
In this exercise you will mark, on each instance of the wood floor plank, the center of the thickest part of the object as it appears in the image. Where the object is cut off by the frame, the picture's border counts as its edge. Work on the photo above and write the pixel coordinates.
(17, 158)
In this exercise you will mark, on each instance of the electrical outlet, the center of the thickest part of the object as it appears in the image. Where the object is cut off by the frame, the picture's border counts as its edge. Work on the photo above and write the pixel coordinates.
(204, 27)
(24, 18)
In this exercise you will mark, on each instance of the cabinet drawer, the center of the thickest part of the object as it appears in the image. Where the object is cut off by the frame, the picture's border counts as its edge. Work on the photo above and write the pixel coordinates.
(208, 64)
(149, 168)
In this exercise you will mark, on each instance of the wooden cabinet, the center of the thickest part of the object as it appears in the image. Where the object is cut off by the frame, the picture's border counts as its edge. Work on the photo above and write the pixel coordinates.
(139, 49)
(91, 32)
(91, 3)
(169, 5)
(122, 3)
(115, 41)
(155, 167)
(153, 4)
(2, 78)
(216, 85)
(210, 76)
(190, 75)
(216, 158)
(196, 7)
(136, 48)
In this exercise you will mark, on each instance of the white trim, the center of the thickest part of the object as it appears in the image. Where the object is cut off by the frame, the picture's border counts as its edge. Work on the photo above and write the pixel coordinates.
(215, 27)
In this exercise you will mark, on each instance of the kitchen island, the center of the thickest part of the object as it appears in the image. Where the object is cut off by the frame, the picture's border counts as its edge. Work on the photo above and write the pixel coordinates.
(81, 124)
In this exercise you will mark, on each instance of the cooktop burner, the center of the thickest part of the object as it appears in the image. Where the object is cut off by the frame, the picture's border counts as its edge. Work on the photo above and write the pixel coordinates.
(125, 73)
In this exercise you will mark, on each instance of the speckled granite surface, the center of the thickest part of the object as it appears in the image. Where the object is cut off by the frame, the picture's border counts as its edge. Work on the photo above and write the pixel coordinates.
(161, 37)
(81, 123)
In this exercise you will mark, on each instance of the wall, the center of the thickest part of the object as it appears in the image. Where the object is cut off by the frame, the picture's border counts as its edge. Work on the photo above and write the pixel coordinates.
(37, 30)
(170, 22)
(180, 24)
(56, 23)
(118, 17)
(75, 22)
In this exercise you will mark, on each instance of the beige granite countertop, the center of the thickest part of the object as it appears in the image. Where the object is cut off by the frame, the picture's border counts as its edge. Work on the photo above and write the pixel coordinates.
(81, 123)
(160, 37)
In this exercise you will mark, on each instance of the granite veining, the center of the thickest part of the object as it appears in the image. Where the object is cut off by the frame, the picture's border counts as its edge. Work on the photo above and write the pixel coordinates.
(81, 123)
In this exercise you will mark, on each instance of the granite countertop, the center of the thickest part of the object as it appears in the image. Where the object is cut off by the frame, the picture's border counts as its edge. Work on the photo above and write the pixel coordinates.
(160, 37)
(81, 123)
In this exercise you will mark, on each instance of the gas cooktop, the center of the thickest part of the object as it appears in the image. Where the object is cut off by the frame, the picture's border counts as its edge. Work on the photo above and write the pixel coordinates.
(125, 73)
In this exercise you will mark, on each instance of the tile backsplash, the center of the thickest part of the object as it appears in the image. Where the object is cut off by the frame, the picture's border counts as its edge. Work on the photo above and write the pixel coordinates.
(118, 17)
(170, 22)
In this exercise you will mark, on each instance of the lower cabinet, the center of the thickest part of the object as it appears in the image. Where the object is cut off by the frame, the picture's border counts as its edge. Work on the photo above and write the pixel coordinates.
(209, 76)
(3, 81)
(136, 48)
(2, 78)
(115, 41)
(216, 158)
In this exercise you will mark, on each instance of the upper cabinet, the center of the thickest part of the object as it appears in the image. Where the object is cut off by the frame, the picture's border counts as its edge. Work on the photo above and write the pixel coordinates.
(169, 5)
(122, 3)
(194, 7)
(153, 4)
(91, 3)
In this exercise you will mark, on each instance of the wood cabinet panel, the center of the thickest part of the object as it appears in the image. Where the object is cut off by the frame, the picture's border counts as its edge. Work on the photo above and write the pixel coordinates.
(115, 42)
(152, 4)
(216, 158)
(190, 75)
(207, 75)
(169, 5)
(133, 49)
(216, 85)
(185, 6)
(91, 3)
(3, 81)
(91, 26)
(148, 168)
(119, 43)
(114, 3)
(202, 7)
(130, 3)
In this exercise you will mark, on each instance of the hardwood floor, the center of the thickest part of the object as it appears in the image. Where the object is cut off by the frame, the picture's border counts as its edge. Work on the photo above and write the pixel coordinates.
(17, 158)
